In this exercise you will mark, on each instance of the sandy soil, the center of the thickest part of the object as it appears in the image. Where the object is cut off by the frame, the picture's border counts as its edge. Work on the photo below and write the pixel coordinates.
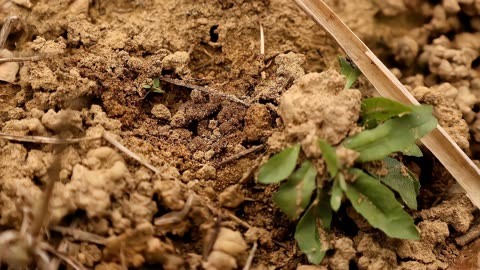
(96, 57)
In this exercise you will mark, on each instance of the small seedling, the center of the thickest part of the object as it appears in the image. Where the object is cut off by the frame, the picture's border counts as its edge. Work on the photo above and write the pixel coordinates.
(154, 87)
(349, 70)
(370, 192)
(371, 184)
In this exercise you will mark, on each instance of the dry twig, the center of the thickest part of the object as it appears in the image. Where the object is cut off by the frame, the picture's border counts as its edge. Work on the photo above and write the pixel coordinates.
(175, 216)
(80, 235)
(109, 138)
(205, 90)
(71, 262)
(20, 59)
(262, 41)
(241, 154)
(251, 255)
(62, 247)
(262, 52)
(46, 140)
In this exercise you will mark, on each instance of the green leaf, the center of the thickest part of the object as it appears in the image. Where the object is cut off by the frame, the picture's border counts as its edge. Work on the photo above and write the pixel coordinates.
(337, 194)
(324, 211)
(400, 179)
(147, 86)
(280, 166)
(308, 236)
(413, 150)
(156, 83)
(158, 90)
(394, 135)
(295, 194)
(349, 70)
(342, 182)
(379, 109)
(330, 157)
(378, 205)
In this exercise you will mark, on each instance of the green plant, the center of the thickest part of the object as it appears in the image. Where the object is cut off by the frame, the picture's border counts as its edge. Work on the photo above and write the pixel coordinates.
(154, 87)
(370, 184)
(349, 69)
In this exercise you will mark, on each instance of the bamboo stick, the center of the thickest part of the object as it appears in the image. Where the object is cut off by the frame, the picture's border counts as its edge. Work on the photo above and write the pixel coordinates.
(438, 141)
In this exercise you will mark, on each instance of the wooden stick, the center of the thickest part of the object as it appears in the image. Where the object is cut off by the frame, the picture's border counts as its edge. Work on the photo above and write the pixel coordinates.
(438, 141)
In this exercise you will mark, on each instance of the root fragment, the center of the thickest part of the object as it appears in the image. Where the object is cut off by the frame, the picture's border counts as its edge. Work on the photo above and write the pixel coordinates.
(80, 235)
(242, 154)
(205, 90)
(251, 255)
(175, 216)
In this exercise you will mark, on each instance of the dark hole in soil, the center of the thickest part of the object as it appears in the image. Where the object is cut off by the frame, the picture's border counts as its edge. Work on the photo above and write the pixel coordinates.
(167, 73)
(37, 182)
(213, 33)
(465, 23)
(64, 34)
(161, 210)
(345, 223)
(476, 63)
(193, 127)
(78, 214)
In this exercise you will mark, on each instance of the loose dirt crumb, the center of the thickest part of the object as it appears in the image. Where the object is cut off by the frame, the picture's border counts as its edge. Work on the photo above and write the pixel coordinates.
(231, 197)
(456, 212)
(101, 177)
(226, 251)
(161, 112)
(258, 122)
(373, 256)
(177, 62)
(433, 233)
(316, 106)
(259, 234)
(54, 120)
(344, 253)
(138, 246)
(442, 97)
(28, 126)
(170, 194)
(449, 64)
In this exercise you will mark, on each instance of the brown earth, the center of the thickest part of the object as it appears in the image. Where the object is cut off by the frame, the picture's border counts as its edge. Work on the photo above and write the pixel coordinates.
(98, 55)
